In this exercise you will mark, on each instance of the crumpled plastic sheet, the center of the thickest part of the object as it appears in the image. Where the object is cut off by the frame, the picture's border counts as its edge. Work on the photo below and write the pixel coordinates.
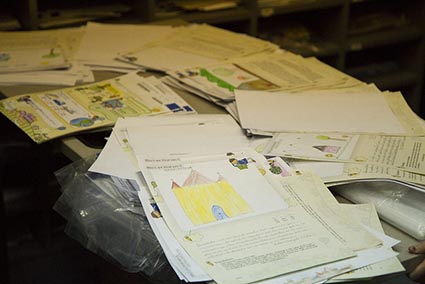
(104, 214)
(399, 205)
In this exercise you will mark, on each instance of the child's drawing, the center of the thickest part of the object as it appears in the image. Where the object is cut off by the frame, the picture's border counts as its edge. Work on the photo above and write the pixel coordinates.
(205, 201)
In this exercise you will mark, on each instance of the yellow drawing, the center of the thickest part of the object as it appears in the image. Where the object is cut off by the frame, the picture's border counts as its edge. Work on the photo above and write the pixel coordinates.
(205, 201)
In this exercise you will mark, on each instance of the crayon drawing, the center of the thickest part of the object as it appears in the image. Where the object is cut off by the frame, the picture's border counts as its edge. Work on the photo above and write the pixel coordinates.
(205, 201)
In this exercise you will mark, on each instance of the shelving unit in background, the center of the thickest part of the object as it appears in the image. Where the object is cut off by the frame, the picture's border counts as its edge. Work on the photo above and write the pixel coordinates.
(377, 41)
(8, 17)
(309, 28)
(242, 18)
(44, 14)
(386, 46)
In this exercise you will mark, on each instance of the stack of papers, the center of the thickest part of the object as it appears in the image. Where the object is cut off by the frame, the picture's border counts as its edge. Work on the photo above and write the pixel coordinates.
(99, 52)
(204, 189)
(227, 206)
(269, 71)
(354, 156)
(352, 110)
(41, 57)
(195, 46)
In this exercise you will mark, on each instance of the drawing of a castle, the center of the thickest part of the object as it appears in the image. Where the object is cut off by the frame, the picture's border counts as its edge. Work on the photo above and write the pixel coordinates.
(205, 201)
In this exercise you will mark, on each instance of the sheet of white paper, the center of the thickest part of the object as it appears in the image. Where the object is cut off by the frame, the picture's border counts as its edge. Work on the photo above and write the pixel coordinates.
(102, 42)
(68, 77)
(187, 134)
(66, 39)
(309, 112)
(32, 58)
(113, 160)
(37, 78)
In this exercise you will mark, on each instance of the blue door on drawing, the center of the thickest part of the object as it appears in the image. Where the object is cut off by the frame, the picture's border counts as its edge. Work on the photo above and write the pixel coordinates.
(218, 212)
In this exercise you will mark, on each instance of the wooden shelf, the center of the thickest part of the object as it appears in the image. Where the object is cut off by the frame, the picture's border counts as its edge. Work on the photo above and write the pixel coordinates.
(394, 81)
(302, 6)
(385, 37)
(230, 15)
(317, 49)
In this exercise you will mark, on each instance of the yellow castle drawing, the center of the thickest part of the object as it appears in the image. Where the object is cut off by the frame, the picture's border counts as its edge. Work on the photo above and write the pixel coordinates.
(205, 201)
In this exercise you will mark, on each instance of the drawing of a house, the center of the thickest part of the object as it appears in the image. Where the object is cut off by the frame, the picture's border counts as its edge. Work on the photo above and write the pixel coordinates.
(205, 201)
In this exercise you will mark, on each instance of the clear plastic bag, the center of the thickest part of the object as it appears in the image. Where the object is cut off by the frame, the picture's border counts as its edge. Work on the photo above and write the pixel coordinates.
(397, 204)
(105, 215)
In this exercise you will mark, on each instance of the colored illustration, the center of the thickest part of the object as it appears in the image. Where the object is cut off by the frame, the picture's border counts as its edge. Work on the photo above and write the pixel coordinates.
(27, 117)
(84, 121)
(51, 54)
(328, 148)
(108, 101)
(47, 115)
(104, 90)
(31, 108)
(60, 103)
(215, 79)
(174, 107)
(241, 164)
(28, 123)
(205, 201)
(113, 104)
(31, 58)
(277, 169)
(186, 73)
(68, 109)
(155, 213)
(123, 107)
(24, 99)
(4, 56)
(231, 77)
(311, 146)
